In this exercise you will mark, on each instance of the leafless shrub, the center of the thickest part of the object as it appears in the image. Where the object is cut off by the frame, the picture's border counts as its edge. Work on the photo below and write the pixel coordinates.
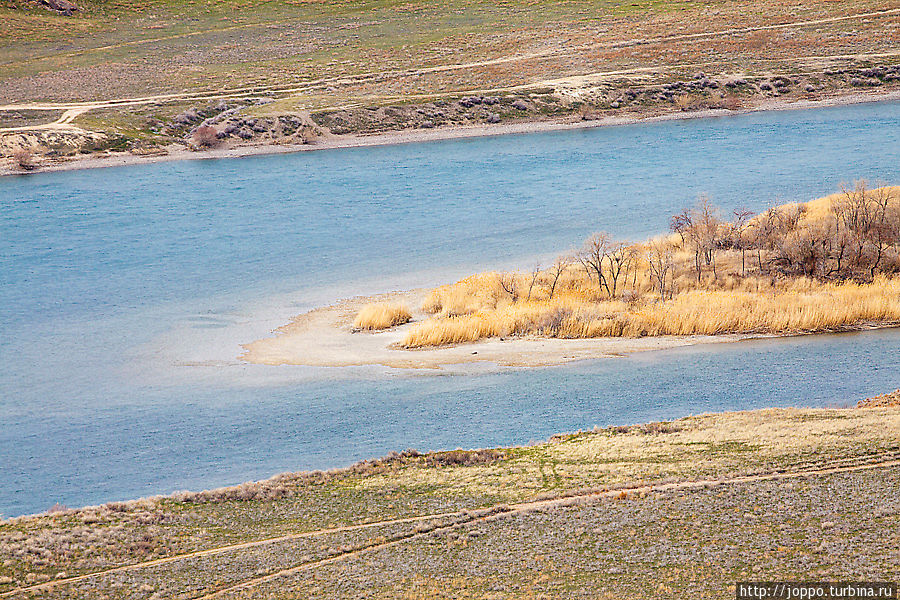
(205, 136)
(509, 282)
(732, 102)
(658, 427)
(23, 159)
(587, 113)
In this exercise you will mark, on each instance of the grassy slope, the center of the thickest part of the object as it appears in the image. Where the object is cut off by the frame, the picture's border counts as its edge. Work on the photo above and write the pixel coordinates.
(128, 48)
(329, 63)
(477, 556)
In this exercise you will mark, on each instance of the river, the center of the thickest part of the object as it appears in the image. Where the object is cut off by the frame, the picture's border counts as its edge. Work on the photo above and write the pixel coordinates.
(125, 293)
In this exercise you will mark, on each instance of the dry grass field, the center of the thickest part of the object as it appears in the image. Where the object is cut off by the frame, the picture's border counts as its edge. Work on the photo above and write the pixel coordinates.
(688, 506)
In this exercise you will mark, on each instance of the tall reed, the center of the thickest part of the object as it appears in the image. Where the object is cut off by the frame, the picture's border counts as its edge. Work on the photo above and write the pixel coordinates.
(381, 316)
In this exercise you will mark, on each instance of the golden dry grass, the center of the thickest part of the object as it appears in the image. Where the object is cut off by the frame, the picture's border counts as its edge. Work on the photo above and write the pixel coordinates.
(381, 316)
(735, 299)
(791, 307)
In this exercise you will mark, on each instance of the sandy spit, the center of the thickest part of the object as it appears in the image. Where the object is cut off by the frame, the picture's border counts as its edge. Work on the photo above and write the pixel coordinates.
(325, 338)
(177, 152)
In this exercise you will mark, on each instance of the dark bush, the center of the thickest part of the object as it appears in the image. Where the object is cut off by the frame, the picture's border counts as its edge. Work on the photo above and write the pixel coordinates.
(23, 158)
(465, 457)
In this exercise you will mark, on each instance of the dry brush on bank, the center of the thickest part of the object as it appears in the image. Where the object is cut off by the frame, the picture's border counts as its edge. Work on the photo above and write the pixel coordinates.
(823, 265)
(23, 160)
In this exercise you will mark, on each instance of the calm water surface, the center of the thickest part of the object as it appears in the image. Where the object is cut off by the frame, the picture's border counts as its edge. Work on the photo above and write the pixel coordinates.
(125, 292)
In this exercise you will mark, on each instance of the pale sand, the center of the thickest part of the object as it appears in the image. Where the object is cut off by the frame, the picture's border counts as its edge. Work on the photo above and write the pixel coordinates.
(325, 338)
(177, 152)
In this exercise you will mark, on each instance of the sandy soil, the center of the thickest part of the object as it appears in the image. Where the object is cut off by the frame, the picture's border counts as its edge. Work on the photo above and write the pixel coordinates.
(325, 338)
(177, 152)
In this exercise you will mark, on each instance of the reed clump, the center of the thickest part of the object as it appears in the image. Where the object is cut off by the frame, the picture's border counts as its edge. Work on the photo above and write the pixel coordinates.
(821, 266)
(378, 316)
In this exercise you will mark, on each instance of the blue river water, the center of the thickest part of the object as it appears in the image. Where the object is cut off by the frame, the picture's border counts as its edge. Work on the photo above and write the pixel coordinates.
(125, 293)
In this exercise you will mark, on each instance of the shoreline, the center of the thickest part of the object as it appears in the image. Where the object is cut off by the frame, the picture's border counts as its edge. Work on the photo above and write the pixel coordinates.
(723, 466)
(324, 337)
(175, 153)
(882, 404)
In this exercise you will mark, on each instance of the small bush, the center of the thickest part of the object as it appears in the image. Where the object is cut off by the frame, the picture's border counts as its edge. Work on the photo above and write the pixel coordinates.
(688, 102)
(23, 158)
(465, 458)
(206, 136)
(381, 316)
(732, 102)
(309, 135)
(587, 113)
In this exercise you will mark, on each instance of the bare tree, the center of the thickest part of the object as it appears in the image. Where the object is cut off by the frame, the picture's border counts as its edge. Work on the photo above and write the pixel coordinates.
(607, 260)
(661, 262)
(680, 223)
(738, 234)
(701, 228)
(881, 233)
(509, 282)
(708, 231)
(837, 242)
(619, 257)
(560, 265)
(759, 235)
(593, 256)
(535, 274)
(868, 219)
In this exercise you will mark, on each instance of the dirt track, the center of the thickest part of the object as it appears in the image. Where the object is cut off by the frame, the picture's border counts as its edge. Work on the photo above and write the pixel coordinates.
(64, 122)
(461, 519)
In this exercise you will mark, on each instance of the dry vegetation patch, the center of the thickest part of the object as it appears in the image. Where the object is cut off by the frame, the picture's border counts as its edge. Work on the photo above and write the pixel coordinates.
(820, 266)
(381, 316)
(891, 399)
(23, 159)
